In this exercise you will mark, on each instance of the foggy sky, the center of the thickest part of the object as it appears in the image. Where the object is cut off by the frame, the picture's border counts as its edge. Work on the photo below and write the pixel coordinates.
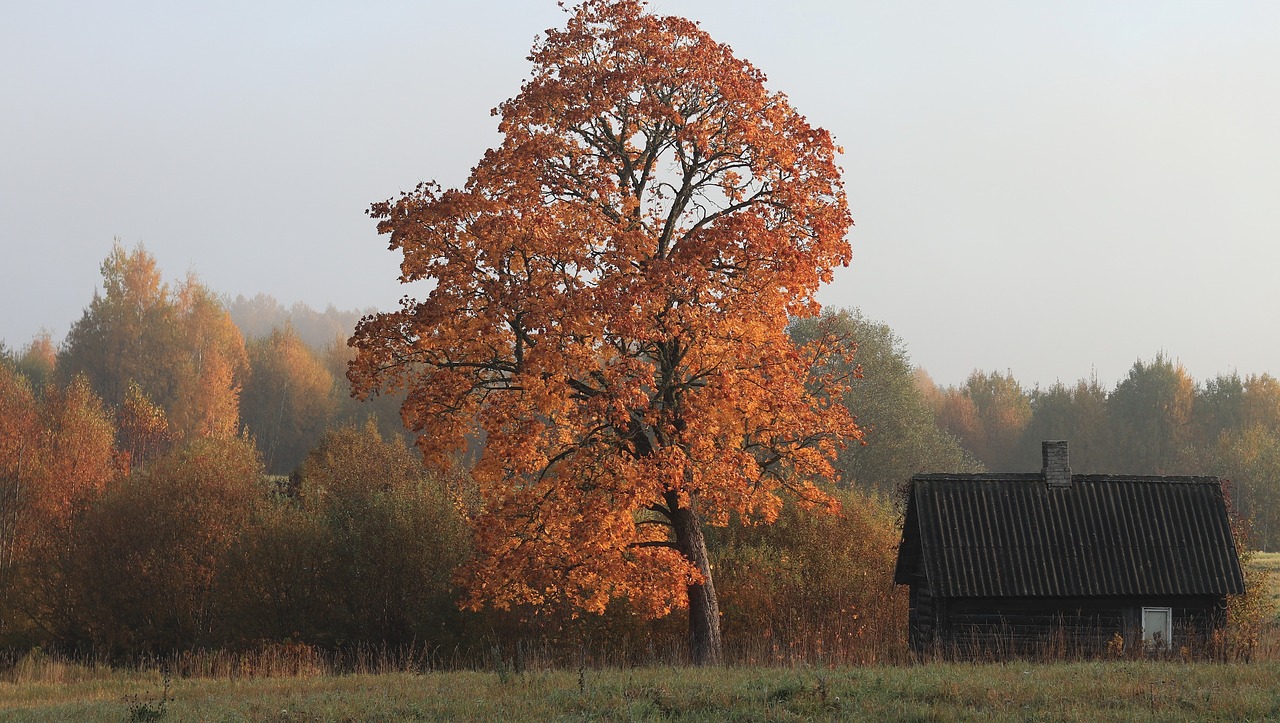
(1056, 189)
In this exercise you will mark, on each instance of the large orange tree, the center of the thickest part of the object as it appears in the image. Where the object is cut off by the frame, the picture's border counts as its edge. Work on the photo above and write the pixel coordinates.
(608, 316)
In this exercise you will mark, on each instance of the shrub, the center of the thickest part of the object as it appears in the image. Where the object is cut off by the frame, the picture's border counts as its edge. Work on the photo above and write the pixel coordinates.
(814, 587)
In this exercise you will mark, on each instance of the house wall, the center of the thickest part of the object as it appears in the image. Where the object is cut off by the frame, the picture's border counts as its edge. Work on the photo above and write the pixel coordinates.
(921, 615)
(997, 627)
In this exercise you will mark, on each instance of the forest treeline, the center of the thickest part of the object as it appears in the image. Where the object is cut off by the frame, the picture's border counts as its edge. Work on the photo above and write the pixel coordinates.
(189, 471)
(1156, 420)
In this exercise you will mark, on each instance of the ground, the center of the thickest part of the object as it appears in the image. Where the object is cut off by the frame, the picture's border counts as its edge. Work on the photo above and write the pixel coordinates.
(1116, 691)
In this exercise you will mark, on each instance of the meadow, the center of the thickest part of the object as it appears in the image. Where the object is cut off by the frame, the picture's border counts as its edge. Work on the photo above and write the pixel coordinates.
(1097, 691)
(1268, 563)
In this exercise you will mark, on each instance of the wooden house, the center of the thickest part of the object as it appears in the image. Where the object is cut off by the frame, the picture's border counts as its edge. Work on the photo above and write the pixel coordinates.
(1011, 563)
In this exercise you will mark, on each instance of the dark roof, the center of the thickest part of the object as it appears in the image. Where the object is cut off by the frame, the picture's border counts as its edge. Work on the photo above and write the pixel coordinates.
(1010, 535)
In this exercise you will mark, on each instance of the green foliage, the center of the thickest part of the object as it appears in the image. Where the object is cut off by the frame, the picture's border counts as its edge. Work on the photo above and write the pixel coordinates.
(392, 539)
(1157, 420)
(1078, 414)
(37, 360)
(383, 408)
(1228, 403)
(1151, 419)
(901, 437)
(274, 585)
(1219, 407)
(127, 332)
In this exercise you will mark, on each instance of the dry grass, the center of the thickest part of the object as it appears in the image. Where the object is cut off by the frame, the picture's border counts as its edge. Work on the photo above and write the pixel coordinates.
(1065, 691)
(1268, 563)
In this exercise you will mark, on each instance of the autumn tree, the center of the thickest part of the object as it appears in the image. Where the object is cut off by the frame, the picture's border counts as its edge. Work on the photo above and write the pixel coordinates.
(79, 448)
(610, 302)
(38, 359)
(1003, 410)
(20, 439)
(177, 344)
(57, 453)
(77, 462)
(816, 587)
(288, 401)
(212, 365)
(143, 429)
(955, 414)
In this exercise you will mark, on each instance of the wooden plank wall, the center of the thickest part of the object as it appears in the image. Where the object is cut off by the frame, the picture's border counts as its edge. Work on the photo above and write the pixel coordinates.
(1053, 627)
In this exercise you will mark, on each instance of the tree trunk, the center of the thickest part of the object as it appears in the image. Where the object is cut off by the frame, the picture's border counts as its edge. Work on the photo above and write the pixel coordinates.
(704, 609)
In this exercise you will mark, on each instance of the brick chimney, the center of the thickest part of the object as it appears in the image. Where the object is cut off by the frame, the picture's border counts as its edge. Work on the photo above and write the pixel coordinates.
(1057, 465)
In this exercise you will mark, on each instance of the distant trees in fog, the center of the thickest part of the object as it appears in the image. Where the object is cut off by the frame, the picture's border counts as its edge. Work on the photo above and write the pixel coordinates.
(1157, 420)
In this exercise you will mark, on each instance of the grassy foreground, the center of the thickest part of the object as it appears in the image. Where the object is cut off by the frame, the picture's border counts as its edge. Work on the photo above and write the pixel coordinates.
(1269, 564)
(1018, 691)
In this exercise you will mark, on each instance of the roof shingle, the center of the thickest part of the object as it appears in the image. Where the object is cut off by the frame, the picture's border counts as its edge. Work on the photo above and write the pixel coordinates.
(1009, 535)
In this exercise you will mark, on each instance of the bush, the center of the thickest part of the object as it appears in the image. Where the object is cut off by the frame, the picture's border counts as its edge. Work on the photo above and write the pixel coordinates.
(390, 539)
(814, 587)
(149, 553)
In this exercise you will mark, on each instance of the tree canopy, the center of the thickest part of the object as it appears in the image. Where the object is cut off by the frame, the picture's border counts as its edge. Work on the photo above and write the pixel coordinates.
(901, 436)
(611, 294)
(179, 346)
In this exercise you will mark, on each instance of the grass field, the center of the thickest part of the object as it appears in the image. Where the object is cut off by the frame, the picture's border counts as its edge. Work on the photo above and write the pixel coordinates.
(1069, 691)
(1269, 562)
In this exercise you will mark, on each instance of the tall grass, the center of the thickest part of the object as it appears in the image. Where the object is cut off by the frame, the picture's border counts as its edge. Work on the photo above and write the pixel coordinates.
(805, 646)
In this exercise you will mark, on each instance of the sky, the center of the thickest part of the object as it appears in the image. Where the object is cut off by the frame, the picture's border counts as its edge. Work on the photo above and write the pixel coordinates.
(1051, 189)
